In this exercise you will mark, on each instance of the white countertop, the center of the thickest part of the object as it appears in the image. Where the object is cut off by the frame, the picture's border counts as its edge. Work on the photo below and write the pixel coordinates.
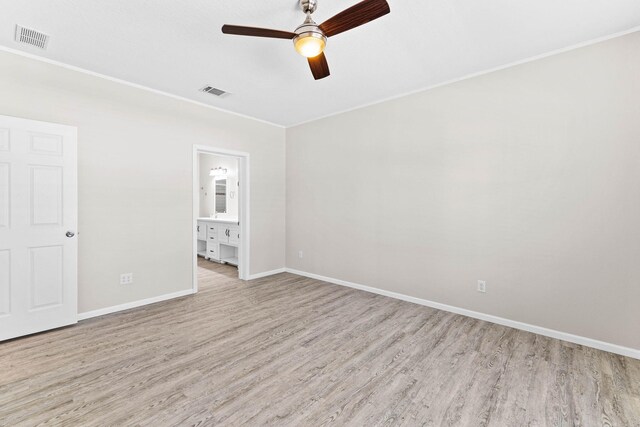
(221, 220)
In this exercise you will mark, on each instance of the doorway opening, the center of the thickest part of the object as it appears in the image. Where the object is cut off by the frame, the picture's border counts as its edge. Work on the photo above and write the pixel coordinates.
(220, 210)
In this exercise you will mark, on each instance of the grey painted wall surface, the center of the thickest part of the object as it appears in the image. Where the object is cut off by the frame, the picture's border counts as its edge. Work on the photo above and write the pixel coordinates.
(135, 176)
(528, 178)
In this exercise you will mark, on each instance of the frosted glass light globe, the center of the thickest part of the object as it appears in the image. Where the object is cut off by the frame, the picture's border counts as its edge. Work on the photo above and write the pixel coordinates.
(310, 44)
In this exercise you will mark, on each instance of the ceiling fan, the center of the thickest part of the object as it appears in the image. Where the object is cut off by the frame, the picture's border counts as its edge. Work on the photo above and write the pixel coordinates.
(310, 39)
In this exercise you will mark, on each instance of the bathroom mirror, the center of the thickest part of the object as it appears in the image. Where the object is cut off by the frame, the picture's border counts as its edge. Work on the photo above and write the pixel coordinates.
(220, 198)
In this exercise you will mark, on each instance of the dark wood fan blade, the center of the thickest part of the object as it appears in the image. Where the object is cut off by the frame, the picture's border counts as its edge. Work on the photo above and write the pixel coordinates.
(319, 66)
(361, 13)
(257, 32)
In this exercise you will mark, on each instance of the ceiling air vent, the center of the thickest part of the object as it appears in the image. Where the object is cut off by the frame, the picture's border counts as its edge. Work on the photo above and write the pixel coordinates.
(213, 91)
(31, 37)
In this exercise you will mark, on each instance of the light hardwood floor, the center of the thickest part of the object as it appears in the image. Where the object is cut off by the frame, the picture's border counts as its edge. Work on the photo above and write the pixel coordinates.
(287, 350)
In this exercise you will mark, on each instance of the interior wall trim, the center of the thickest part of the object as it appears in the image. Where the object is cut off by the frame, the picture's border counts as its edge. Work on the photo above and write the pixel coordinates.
(357, 107)
(160, 298)
(131, 84)
(133, 304)
(266, 273)
(576, 339)
(473, 75)
(244, 207)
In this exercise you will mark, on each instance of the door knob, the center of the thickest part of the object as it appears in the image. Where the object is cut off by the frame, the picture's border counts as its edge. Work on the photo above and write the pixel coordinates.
(70, 234)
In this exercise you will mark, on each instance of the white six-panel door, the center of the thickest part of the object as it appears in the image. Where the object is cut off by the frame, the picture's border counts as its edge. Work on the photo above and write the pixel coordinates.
(38, 222)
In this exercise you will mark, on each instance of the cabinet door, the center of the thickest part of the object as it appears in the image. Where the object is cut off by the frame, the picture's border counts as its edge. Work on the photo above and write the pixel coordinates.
(223, 234)
(234, 235)
(202, 230)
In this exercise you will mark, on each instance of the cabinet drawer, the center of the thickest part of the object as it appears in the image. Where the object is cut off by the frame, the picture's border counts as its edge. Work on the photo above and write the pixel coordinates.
(213, 251)
(212, 232)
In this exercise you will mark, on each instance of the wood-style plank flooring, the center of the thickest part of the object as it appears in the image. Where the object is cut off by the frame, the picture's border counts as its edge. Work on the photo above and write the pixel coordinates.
(287, 350)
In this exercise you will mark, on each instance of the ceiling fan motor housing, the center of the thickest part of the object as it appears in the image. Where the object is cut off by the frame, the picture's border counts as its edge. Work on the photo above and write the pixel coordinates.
(308, 6)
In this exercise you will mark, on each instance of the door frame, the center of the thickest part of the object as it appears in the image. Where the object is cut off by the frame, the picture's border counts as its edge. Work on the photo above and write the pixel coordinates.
(243, 207)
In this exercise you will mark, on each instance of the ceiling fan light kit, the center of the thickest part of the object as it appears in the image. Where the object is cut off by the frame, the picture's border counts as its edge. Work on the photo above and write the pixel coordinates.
(310, 39)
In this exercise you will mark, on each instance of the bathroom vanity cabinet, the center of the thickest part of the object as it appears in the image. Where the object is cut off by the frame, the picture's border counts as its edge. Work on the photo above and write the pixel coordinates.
(218, 239)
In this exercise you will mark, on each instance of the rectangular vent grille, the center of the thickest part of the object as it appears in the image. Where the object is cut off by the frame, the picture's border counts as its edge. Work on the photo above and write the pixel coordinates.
(213, 91)
(31, 37)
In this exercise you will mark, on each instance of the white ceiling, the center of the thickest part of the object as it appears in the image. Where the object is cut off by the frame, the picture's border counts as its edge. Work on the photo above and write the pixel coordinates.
(177, 46)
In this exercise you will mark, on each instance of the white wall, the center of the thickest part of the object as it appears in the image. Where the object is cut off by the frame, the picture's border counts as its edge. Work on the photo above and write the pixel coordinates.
(528, 178)
(135, 176)
(207, 190)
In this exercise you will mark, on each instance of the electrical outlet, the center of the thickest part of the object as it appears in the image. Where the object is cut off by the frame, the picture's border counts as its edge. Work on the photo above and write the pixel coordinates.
(300, 254)
(126, 278)
(482, 286)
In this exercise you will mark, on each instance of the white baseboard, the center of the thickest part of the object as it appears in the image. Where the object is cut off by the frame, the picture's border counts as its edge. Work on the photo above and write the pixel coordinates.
(576, 339)
(266, 273)
(133, 304)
